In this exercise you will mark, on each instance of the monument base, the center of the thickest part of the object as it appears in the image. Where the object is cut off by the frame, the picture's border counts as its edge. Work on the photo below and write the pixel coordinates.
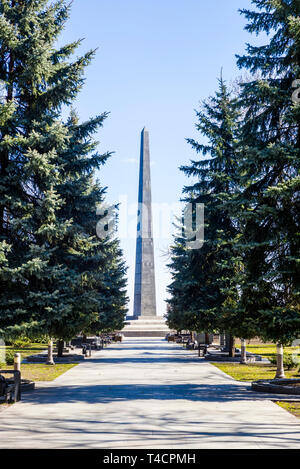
(144, 326)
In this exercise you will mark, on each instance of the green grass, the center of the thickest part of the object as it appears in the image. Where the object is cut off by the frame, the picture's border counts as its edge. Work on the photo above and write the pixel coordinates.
(292, 407)
(43, 372)
(30, 349)
(37, 371)
(252, 372)
(267, 350)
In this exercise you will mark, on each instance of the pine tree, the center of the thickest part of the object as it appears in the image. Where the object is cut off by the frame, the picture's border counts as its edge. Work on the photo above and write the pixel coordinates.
(30, 138)
(206, 281)
(269, 205)
(111, 289)
(50, 257)
(90, 259)
(175, 318)
(178, 316)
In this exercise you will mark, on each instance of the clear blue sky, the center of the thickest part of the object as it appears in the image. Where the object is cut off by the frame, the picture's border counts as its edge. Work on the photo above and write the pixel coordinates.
(157, 59)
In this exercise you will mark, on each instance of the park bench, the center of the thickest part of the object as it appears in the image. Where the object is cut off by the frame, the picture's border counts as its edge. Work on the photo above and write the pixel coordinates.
(202, 348)
(87, 349)
(10, 388)
(191, 345)
(97, 343)
(186, 338)
(172, 337)
(183, 339)
(117, 338)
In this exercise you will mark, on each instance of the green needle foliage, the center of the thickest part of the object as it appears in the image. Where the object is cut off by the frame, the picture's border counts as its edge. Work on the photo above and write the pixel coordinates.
(269, 206)
(178, 316)
(55, 274)
(246, 277)
(202, 278)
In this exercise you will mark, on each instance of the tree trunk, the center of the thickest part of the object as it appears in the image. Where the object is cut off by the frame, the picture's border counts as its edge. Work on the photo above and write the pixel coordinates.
(227, 342)
(50, 360)
(243, 352)
(231, 346)
(60, 348)
(222, 339)
(206, 338)
(280, 369)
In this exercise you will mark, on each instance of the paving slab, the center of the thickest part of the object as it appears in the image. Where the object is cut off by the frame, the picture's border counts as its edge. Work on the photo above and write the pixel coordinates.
(146, 393)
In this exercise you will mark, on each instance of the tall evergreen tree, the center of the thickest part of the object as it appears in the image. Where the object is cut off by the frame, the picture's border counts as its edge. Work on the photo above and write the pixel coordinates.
(30, 137)
(206, 281)
(270, 204)
(178, 315)
(50, 257)
(95, 263)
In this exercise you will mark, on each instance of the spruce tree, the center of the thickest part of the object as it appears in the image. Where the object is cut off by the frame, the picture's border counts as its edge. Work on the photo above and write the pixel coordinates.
(38, 81)
(206, 282)
(92, 260)
(269, 206)
(178, 316)
(50, 256)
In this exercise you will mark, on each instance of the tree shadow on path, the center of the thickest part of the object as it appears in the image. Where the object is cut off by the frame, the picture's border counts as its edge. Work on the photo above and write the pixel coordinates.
(103, 394)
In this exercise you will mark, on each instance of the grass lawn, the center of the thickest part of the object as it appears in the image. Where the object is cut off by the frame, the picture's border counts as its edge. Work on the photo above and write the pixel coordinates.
(256, 371)
(41, 371)
(30, 349)
(267, 350)
(37, 371)
(253, 371)
(25, 351)
(292, 407)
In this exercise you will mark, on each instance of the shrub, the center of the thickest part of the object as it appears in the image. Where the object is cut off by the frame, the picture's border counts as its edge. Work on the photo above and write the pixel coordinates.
(9, 357)
(288, 362)
(21, 342)
(41, 340)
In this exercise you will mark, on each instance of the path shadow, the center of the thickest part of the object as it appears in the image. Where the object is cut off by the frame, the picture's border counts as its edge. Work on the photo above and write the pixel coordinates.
(147, 360)
(144, 347)
(143, 342)
(104, 394)
(123, 429)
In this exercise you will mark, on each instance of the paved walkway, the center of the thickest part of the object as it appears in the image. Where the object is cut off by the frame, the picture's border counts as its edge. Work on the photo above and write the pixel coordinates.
(146, 394)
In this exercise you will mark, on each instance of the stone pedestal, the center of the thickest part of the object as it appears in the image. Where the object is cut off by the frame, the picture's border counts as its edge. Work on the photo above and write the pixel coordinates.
(146, 327)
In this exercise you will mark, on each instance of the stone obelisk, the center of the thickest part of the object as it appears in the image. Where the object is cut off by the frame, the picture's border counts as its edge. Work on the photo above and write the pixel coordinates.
(144, 289)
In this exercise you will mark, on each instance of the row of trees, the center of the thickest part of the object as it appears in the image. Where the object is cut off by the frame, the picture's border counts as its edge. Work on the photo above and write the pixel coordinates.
(245, 280)
(56, 276)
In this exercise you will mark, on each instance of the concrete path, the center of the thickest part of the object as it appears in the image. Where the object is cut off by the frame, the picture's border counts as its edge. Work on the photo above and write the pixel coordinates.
(146, 394)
